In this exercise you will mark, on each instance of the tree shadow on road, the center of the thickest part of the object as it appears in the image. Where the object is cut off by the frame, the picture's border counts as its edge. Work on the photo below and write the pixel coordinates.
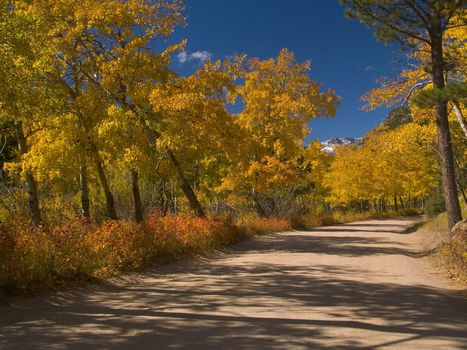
(343, 245)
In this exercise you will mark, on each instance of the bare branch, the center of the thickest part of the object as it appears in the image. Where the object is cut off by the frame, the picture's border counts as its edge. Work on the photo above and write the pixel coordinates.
(418, 86)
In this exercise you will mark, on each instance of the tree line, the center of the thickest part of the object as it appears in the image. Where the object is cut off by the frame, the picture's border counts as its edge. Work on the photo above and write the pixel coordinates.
(96, 123)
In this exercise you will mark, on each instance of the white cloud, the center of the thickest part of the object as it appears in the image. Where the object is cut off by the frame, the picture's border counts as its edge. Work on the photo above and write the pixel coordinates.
(201, 56)
(182, 57)
(369, 68)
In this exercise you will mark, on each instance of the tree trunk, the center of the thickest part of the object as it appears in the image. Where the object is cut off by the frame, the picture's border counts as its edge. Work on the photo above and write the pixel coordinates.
(259, 208)
(444, 137)
(402, 203)
(109, 199)
(184, 184)
(217, 206)
(395, 203)
(33, 199)
(136, 197)
(96, 158)
(84, 187)
(186, 188)
(165, 201)
(152, 135)
(175, 209)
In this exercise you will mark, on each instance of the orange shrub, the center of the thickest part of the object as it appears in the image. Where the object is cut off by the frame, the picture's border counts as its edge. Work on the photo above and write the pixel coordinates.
(119, 245)
(42, 255)
(257, 226)
(309, 221)
(32, 258)
(178, 234)
(71, 254)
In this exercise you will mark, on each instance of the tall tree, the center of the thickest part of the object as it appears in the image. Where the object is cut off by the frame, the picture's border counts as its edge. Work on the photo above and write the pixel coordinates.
(120, 48)
(411, 22)
(24, 60)
(280, 99)
(197, 101)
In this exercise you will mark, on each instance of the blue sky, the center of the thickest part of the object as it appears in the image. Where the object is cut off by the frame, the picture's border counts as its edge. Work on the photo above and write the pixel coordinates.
(344, 54)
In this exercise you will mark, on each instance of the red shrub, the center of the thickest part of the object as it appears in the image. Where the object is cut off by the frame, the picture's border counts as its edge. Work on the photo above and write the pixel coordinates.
(41, 257)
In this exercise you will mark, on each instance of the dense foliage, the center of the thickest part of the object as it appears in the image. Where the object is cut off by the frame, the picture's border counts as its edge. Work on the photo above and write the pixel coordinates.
(109, 158)
(105, 128)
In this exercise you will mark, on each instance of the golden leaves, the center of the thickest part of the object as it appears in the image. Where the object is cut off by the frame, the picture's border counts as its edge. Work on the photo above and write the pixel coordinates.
(279, 100)
(397, 162)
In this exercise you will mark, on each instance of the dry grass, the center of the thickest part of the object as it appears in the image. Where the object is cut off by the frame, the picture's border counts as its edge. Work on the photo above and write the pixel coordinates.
(450, 251)
(452, 255)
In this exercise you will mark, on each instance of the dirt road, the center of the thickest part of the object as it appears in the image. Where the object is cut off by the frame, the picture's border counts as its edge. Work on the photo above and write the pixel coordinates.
(356, 286)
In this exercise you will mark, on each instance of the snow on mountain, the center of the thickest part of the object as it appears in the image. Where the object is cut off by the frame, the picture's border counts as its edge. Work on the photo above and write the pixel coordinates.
(329, 146)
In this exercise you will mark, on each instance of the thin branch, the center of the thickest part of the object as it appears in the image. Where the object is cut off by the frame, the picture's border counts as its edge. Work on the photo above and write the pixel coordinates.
(451, 13)
(4, 145)
(417, 86)
(456, 26)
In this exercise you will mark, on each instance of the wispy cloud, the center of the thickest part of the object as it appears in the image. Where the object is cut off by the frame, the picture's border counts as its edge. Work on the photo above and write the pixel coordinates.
(369, 68)
(200, 56)
(182, 57)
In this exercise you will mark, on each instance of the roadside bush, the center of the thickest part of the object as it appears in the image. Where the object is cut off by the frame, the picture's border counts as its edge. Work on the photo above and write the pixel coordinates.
(118, 246)
(44, 257)
(412, 212)
(310, 221)
(177, 234)
(33, 257)
(326, 219)
(252, 224)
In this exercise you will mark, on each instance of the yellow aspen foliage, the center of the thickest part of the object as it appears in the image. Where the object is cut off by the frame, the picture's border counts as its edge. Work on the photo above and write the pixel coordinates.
(279, 100)
(391, 163)
(192, 111)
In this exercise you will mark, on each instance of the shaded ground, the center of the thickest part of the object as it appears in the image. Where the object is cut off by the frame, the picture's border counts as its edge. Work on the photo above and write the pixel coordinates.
(355, 286)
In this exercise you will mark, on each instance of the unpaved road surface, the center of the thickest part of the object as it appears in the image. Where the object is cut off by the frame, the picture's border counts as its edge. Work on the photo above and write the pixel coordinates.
(363, 285)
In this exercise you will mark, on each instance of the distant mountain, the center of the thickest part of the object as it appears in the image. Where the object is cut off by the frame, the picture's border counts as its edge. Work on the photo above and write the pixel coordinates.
(329, 146)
